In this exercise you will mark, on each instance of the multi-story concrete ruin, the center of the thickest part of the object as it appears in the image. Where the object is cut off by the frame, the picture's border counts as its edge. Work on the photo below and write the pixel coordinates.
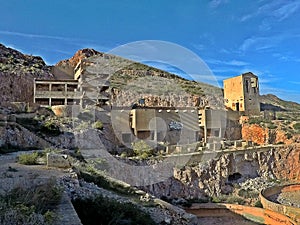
(241, 93)
(87, 88)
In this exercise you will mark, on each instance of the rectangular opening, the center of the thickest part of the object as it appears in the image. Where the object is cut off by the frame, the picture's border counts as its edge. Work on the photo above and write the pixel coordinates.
(42, 87)
(247, 86)
(71, 87)
(71, 102)
(42, 101)
(144, 134)
(57, 101)
(58, 87)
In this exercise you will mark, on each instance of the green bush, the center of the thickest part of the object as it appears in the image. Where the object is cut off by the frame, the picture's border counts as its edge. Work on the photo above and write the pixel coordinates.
(258, 204)
(51, 128)
(142, 150)
(98, 125)
(247, 194)
(28, 159)
(101, 210)
(235, 200)
(272, 126)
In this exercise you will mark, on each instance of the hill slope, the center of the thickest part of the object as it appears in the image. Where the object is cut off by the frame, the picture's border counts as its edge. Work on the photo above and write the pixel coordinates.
(131, 81)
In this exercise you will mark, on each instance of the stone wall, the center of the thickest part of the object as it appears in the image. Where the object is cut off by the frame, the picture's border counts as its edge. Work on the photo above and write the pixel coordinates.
(292, 212)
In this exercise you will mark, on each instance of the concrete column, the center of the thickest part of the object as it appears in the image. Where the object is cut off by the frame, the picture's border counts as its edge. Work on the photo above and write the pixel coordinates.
(34, 90)
(66, 93)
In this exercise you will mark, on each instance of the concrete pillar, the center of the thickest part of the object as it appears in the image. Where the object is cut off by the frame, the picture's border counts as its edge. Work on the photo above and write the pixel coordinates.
(66, 94)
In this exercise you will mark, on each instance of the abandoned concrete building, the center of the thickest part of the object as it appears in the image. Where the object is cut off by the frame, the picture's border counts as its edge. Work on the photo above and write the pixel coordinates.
(88, 87)
(241, 93)
(171, 125)
(175, 126)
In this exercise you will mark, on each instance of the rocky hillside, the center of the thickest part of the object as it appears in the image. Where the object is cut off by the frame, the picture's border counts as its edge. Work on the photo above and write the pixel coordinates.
(250, 171)
(17, 72)
(131, 81)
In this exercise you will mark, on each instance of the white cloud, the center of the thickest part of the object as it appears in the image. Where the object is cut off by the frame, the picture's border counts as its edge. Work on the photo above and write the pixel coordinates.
(217, 3)
(286, 10)
(27, 35)
(278, 10)
(286, 58)
(228, 63)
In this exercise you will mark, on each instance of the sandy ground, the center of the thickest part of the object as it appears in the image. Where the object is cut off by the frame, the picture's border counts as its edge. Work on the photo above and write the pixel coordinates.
(14, 175)
(225, 221)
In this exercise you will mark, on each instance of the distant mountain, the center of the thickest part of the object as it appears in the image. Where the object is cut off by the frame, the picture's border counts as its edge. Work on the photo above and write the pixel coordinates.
(272, 102)
(17, 72)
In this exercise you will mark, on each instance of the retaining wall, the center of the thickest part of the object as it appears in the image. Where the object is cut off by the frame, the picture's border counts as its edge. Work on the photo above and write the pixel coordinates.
(292, 212)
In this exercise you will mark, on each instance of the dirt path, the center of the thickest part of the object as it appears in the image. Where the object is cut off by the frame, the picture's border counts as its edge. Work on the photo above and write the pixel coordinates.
(14, 175)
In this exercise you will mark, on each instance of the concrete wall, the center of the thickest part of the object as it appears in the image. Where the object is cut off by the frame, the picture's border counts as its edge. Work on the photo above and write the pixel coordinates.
(292, 212)
(234, 92)
(166, 125)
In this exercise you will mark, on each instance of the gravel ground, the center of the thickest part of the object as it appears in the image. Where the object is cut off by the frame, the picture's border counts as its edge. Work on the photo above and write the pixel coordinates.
(287, 198)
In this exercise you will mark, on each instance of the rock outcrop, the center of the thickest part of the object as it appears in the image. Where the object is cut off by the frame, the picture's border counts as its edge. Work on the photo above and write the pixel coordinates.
(217, 176)
(65, 68)
(261, 135)
(17, 72)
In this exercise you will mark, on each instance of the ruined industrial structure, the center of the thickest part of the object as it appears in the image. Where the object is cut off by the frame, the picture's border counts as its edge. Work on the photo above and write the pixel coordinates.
(87, 88)
(241, 94)
(171, 125)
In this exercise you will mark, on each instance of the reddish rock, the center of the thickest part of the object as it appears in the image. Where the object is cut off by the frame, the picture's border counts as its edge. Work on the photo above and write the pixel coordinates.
(254, 133)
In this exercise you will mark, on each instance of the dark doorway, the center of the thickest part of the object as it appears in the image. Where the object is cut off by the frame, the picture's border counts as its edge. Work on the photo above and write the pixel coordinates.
(237, 106)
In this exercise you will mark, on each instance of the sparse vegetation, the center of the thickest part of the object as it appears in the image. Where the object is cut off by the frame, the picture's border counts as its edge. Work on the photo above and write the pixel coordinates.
(296, 126)
(142, 150)
(97, 125)
(30, 206)
(50, 127)
(101, 210)
(231, 199)
(28, 159)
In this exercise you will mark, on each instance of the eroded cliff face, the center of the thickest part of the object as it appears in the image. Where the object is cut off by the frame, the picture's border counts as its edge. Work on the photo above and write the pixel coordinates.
(65, 68)
(218, 175)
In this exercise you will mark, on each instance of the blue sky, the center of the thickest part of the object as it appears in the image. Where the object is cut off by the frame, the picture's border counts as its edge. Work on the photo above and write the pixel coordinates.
(230, 36)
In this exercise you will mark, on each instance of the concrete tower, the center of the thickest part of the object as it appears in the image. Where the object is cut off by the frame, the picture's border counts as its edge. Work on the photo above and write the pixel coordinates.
(241, 93)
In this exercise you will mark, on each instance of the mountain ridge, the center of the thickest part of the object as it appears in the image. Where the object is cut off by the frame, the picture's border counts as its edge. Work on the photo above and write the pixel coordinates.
(16, 66)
